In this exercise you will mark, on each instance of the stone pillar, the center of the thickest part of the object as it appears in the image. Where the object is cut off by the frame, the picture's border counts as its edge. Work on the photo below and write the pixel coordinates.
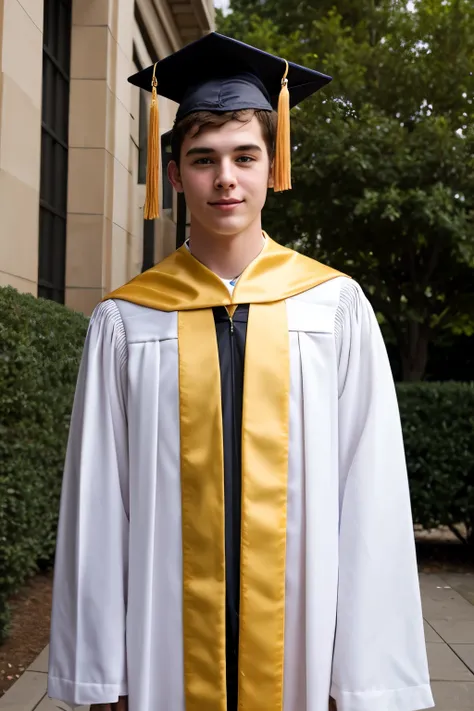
(21, 61)
(100, 187)
(165, 39)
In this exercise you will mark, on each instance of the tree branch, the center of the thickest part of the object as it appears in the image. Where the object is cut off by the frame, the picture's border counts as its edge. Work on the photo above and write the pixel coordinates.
(456, 532)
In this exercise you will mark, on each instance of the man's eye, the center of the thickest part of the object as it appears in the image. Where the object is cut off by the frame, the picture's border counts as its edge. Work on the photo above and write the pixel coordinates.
(202, 161)
(245, 159)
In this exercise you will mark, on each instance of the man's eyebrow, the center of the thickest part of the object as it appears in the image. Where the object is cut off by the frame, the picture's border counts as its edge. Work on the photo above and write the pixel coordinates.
(248, 147)
(199, 149)
(203, 150)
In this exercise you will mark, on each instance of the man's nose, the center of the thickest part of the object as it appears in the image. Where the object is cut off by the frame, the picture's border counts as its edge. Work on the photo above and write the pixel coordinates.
(226, 178)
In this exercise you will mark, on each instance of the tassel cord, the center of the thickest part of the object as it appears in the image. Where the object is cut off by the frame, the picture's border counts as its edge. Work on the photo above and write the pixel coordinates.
(282, 164)
(151, 207)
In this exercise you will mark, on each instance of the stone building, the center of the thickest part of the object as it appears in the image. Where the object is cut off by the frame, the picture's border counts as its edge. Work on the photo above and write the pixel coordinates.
(73, 138)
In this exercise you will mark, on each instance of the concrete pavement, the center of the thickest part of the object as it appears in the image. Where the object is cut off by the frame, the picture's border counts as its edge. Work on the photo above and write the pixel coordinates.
(448, 611)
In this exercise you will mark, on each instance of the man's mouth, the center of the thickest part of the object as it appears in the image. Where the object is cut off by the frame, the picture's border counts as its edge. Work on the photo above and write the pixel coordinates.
(226, 204)
(224, 201)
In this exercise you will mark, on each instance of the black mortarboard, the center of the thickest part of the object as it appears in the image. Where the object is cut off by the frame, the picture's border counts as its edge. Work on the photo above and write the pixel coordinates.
(217, 73)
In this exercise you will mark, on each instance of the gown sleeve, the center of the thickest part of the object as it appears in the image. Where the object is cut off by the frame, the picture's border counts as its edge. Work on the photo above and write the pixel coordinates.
(87, 662)
(379, 658)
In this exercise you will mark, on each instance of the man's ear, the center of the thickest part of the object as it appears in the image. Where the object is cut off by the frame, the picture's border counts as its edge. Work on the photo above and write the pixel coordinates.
(270, 175)
(174, 176)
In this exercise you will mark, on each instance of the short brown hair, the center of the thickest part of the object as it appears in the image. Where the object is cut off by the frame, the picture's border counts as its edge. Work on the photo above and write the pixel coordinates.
(204, 119)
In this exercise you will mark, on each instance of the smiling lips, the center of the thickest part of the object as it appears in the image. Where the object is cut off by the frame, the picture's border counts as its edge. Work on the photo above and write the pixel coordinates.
(226, 205)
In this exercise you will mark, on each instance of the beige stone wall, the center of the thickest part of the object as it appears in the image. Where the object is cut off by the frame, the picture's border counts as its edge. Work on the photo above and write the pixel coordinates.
(21, 38)
(100, 181)
(166, 39)
(105, 202)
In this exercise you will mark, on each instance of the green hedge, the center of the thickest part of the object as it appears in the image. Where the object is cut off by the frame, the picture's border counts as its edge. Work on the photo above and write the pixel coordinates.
(40, 347)
(438, 429)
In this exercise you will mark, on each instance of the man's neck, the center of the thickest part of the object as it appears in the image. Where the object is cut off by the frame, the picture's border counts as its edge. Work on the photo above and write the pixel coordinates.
(226, 255)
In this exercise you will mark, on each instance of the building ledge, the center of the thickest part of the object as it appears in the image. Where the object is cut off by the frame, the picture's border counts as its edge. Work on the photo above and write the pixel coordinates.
(193, 18)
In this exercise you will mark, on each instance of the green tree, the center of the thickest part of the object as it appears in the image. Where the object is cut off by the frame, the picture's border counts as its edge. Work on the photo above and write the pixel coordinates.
(383, 158)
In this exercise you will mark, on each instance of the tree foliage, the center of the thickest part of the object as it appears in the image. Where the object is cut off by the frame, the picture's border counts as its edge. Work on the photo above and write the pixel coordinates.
(383, 158)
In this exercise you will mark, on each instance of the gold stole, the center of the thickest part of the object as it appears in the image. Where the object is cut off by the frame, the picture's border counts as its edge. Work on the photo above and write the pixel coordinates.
(180, 283)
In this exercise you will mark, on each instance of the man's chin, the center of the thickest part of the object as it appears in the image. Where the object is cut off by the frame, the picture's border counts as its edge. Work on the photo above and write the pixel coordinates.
(227, 225)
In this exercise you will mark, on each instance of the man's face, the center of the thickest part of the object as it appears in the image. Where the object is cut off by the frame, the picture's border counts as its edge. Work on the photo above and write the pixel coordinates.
(224, 173)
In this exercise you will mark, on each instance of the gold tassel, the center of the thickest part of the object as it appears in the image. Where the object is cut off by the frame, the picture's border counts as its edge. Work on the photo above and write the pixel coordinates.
(282, 164)
(151, 208)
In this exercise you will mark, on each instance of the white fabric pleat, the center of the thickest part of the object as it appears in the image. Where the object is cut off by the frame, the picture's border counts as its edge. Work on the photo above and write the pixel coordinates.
(87, 661)
(154, 627)
(294, 687)
(379, 655)
(321, 520)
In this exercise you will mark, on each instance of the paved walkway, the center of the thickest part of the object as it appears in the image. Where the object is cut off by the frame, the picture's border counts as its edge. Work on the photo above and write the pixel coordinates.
(448, 609)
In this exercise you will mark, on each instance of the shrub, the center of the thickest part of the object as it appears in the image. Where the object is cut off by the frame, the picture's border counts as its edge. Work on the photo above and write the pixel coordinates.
(438, 428)
(40, 347)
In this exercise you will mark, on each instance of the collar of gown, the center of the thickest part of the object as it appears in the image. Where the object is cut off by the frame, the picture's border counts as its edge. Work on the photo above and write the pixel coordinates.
(230, 283)
(181, 283)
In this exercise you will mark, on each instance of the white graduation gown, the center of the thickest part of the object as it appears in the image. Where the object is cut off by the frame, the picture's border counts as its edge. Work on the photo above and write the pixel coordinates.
(353, 626)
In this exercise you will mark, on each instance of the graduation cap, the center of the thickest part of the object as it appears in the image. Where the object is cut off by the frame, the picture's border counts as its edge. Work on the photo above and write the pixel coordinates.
(217, 73)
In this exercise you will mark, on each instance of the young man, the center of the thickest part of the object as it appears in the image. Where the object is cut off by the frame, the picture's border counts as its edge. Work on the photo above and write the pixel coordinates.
(235, 528)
